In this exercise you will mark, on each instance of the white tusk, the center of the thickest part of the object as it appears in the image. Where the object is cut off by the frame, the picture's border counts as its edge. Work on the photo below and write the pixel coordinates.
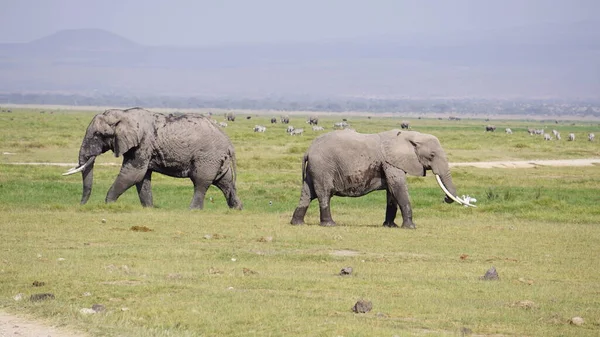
(80, 168)
(457, 199)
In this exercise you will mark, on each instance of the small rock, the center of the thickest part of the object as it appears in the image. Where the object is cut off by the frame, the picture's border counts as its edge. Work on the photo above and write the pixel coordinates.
(87, 311)
(525, 304)
(248, 271)
(41, 297)
(98, 307)
(346, 271)
(18, 296)
(576, 321)
(464, 331)
(265, 239)
(87, 294)
(230, 288)
(362, 306)
(60, 259)
(103, 220)
(490, 275)
(208, 236)
(233, 259)
(124, 309)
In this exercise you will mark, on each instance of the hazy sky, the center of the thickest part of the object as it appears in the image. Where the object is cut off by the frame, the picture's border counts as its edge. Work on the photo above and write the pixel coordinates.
(203, 22)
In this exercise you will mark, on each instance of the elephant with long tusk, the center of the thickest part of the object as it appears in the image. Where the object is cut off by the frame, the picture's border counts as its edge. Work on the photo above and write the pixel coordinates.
(177, 145)
(350, 164)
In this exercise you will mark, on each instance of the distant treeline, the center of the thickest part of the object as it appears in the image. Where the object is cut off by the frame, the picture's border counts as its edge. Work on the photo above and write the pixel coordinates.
(420, 106)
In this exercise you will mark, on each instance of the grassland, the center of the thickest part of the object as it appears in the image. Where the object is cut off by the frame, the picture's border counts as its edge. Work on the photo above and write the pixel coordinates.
(219, 272)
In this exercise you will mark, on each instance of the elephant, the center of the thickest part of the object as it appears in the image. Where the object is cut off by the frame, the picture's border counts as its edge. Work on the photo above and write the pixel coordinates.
(313, 120)
(285, 119)
(230, 116)
(177, 145)
(273, 120)
(346, 163)
(405, 125)
(490, 128)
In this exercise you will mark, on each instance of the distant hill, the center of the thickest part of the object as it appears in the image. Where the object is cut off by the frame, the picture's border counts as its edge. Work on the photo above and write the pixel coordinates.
(555, 61)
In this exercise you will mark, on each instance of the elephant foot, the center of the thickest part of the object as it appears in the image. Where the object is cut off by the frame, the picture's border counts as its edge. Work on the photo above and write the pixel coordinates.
(297, 222)
(408, 225)
(328, 223)
(390, 224)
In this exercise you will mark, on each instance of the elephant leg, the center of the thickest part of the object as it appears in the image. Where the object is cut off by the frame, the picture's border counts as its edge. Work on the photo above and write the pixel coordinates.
(396, 179)
(227, 186)
(128, 176)
(144, 189)
(325, 211)
(305, 198)
(200, 188)
(391, 210)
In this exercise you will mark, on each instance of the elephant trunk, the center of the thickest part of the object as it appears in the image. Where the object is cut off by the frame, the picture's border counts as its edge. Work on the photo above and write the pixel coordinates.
(87, 176)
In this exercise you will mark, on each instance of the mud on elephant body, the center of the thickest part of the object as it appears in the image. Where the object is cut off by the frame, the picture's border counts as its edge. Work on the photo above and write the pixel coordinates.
(350, 164)
(177, 145)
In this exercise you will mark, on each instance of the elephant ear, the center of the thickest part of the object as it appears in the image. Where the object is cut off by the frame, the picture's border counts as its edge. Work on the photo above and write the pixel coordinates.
(127, 135)
(400, 151)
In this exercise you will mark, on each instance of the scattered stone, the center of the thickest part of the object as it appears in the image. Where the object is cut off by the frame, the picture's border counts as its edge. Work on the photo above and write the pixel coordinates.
(464, 256)
(248, 271)
(41, 297)
(103, 220)
(141, 229)
(464, 331)
(346, 271)
(362, 306)
(98, 307)
(124, 309)
(87, 311)
(490, 275)
(60, 259)
(208, 236)
(265, 239)
(525, 304)
(38, 283)
(523, 280)
(233, 259)
(214, 271)
(18, 296)
(576, 321)
(174, 276)
(87, 294)
(230, 288)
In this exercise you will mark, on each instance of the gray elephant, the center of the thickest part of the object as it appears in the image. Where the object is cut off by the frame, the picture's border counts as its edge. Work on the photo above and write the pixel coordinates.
(177, 145)
(405, 125)
(313, 120)
(230, 116)
(350, 164)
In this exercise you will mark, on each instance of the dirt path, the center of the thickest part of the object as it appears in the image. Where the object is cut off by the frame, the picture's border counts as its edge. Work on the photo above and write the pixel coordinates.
(11, 325)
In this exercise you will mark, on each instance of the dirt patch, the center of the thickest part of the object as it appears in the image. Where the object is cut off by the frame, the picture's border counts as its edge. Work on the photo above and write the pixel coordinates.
(531, 163)
(11, 325)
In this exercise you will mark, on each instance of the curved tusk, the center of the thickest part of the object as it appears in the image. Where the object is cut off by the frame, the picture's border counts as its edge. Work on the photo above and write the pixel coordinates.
(455, 198)
(80, 168)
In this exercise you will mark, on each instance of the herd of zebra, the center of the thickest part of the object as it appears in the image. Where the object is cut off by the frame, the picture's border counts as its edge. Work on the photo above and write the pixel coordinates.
(547, 136)
(312, 120)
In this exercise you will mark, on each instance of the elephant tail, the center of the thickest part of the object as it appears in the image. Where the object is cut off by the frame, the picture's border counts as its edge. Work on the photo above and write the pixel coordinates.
(304, 161)
(233, 164)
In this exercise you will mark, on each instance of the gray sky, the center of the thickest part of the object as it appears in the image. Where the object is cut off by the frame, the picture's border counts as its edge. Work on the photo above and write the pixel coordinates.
(216, 22)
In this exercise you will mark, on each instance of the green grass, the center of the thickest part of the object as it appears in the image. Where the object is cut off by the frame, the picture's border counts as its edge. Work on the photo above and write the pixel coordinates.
(219, 272)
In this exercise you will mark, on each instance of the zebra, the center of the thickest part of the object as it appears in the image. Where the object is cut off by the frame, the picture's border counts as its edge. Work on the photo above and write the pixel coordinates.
(340, 125)
(289, 129)
(260, 128)
(508, 131)
(296, 132)
(571, 137)
(223, 124)
(591, 137)
(554, 132)
(547, 136)
(317, 128)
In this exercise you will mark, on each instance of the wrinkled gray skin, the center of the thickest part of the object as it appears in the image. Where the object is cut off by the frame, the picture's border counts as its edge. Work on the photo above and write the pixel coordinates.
(350, 164)
(175, 145)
